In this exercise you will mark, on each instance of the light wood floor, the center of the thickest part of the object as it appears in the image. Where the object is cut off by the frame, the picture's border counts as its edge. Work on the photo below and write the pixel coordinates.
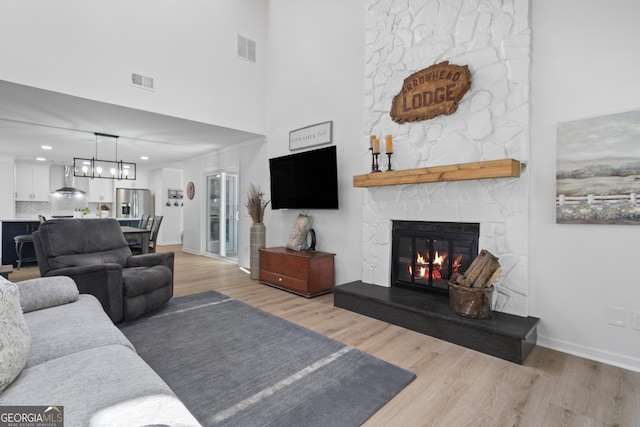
(454, 386)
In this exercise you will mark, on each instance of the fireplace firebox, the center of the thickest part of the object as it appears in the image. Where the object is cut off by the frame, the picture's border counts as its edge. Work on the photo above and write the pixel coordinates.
(425, 254)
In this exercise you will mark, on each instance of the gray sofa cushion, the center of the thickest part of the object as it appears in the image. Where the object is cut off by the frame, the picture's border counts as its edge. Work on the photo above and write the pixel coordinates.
(37, 294)
(103, 386)
(14, 334)
(65, 329)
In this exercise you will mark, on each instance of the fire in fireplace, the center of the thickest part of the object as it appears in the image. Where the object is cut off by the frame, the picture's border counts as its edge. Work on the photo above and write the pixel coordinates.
(425, 254)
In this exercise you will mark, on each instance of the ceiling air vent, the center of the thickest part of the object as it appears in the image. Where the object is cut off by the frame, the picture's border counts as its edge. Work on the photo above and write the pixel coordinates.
(246, 48)
(142, 81)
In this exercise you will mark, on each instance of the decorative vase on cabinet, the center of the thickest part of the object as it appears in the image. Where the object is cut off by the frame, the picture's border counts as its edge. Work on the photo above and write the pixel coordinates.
(257, 241)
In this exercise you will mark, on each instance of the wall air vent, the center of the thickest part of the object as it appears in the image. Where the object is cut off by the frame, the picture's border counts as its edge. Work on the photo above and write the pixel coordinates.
(246, 48)
(141, 81)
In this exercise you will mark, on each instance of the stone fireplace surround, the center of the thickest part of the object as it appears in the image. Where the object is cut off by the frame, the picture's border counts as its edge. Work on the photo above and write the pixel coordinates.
(500, 207)
(504, 335)
(491, 123)
(503, 230)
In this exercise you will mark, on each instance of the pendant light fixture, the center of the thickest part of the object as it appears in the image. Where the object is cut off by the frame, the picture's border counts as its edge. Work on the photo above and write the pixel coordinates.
(109, 169)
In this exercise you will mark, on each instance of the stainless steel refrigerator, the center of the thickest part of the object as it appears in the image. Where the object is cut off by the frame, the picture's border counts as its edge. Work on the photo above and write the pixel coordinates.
(133, 202)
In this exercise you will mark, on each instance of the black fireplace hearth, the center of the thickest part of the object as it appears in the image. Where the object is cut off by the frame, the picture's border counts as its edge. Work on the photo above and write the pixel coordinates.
(506, 336)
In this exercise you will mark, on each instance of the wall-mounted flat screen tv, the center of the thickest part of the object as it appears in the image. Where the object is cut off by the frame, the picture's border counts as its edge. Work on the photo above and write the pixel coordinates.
(307, 180)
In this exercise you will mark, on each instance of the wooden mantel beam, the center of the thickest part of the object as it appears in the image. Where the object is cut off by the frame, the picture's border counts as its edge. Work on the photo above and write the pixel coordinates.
(505, 168)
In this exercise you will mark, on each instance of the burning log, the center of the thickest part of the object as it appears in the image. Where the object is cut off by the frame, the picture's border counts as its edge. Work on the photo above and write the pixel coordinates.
(483, 271)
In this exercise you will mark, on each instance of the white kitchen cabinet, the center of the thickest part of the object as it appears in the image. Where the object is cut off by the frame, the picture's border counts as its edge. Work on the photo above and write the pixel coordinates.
(32, 183)
(141, 181)
(100, 190)
(7, 190)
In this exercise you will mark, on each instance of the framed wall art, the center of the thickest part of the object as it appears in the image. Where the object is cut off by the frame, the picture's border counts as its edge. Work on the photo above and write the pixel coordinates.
(598, 170)
(318, 134)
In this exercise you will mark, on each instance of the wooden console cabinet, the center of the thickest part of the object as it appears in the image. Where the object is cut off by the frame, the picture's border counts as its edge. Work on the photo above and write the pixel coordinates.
(304, 273)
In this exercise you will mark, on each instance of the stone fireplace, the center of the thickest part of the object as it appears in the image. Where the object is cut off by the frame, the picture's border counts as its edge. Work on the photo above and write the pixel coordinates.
(491, 123)
(424, 254)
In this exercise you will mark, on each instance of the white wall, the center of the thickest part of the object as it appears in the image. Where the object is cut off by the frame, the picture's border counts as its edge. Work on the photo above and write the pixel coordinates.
(161, 181)
(90, 49)
(251, 160)
(585, 64)
(315, 74)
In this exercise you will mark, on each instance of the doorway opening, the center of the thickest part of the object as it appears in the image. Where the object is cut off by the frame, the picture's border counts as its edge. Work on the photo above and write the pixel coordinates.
(222, 215)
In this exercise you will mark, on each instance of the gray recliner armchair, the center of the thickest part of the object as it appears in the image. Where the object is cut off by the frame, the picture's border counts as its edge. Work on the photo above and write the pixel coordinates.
(95, 254)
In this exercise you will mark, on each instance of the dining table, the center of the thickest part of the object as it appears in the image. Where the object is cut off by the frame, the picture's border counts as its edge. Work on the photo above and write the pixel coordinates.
(141, 234)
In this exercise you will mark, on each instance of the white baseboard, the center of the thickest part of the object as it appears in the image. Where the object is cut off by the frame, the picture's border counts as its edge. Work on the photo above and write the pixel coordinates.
(610, 358)
(190, 251)
(170, 243)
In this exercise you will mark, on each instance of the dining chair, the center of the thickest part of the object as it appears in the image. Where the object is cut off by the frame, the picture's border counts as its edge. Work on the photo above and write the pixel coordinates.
(153, 235)
(144, 221)
(155, 227)
(134, 243)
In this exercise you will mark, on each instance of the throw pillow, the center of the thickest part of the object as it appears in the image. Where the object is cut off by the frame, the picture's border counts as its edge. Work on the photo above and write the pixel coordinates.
(298, 237)
(14, 334)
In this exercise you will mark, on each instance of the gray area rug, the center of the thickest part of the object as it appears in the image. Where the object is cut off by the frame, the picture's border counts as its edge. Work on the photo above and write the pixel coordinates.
(234, 365)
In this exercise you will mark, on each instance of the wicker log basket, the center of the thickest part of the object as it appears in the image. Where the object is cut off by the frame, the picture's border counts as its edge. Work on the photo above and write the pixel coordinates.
(471, 302)
(471, 293)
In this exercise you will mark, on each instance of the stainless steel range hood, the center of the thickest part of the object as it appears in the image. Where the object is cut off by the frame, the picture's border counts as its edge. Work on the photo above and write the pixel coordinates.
(68, 188)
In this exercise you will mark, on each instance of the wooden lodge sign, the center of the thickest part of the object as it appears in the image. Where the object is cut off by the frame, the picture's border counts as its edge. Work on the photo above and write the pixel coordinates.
(431, 92)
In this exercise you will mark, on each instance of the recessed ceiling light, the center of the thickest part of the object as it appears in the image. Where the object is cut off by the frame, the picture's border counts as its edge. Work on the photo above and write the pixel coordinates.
(144, 157)
(40, 159)
(46, 147)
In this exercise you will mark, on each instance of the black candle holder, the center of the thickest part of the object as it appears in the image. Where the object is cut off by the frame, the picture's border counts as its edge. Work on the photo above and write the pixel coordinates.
(374, 161)
(389, 165)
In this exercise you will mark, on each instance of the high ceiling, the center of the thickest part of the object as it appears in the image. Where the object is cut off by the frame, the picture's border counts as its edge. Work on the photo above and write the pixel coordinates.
(31, 118)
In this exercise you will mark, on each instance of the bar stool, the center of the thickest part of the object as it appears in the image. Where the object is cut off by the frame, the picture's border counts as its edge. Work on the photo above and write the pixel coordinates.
(5, 270)
(20, 241)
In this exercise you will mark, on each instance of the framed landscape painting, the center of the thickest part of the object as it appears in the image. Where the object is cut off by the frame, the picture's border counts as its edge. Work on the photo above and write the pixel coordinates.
(598, 170)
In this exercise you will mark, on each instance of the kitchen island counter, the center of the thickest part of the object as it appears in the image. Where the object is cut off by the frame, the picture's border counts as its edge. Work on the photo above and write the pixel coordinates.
(16, 227)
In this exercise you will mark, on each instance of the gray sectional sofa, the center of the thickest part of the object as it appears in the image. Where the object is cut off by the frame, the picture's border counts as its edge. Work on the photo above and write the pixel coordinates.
(76, 358)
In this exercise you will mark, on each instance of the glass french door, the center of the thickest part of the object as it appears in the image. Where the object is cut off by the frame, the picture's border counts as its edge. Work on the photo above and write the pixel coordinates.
(222, 214)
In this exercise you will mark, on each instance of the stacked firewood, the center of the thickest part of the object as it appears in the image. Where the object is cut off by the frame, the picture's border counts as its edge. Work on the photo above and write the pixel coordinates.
(482, 273)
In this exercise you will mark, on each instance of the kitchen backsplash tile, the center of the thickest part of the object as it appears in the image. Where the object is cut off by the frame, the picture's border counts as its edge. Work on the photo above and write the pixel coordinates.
(57, 205)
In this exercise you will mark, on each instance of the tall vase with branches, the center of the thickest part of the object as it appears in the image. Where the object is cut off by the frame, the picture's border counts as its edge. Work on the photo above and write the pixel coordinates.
(256, 205)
